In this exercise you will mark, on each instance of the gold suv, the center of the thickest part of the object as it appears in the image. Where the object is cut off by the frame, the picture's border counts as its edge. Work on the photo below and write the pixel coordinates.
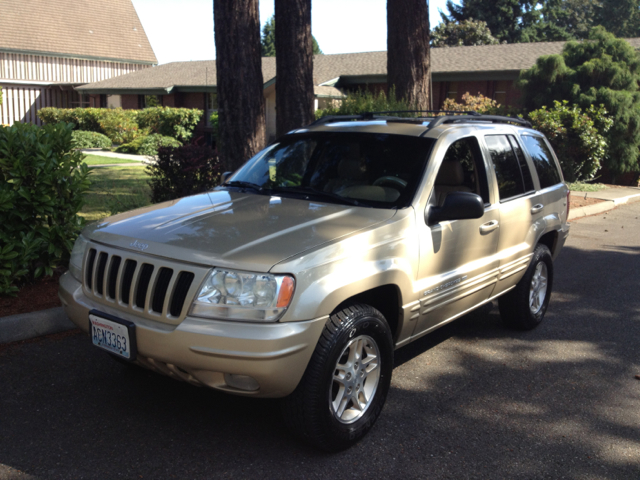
(340, 242)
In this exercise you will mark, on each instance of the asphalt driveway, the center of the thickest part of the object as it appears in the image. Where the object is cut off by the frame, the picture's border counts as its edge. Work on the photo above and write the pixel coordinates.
(471, 400)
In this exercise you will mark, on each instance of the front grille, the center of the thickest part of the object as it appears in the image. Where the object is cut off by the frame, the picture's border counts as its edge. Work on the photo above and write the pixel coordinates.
(157, 289)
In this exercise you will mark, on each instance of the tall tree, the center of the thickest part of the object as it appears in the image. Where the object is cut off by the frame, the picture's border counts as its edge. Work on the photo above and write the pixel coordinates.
(268, 39)
(621, 17)
(503, 17)
(408, 57)
(467, 32)
(239, 77)
(604, 70)
(294, 65)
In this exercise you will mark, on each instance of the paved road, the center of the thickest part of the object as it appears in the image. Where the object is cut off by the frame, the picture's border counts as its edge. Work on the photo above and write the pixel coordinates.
(472, 400)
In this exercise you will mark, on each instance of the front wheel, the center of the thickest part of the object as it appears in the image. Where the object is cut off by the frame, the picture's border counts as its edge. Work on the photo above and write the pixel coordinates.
(524, 306)
(346, 382)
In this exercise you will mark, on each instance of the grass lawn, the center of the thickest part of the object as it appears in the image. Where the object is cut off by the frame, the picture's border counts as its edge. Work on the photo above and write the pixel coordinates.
(585, 187)
(115, 189)
(98, 160)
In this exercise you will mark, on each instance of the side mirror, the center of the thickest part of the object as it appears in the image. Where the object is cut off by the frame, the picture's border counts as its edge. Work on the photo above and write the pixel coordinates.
(224, 177)
(457, 206)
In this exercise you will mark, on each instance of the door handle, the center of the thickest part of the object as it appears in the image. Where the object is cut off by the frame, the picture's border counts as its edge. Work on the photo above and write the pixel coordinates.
(536, 208)
(488, 227)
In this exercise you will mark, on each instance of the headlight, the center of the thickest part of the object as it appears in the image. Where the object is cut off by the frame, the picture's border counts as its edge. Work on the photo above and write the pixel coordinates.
(230, 295)
(77, 254)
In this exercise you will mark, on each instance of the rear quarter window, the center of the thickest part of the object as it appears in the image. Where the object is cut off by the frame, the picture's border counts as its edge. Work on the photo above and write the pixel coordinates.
(543, 160)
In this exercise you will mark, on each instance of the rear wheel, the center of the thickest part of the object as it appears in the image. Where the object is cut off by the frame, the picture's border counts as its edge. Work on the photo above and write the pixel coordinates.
(524, 306)
(346, 382)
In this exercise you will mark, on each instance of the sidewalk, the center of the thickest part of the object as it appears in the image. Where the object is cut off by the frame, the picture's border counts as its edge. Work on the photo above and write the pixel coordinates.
(126, 156)
(612, 197)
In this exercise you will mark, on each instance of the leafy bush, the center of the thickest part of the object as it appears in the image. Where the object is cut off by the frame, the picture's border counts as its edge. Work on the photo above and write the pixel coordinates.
(86, 119)
(214, 120)
(471, 103)
(42, 185)
(178, 123)
(577, 136)
(183, 171)
(82, 139)
(365, 101)
(148, 145)
(121, 126)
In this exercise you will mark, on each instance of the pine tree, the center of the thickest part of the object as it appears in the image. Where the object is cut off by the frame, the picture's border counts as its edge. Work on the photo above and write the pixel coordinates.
(621, 17)
(408, 57)
(268, 39)
(294, 65)
(604, 70)
(241, 127)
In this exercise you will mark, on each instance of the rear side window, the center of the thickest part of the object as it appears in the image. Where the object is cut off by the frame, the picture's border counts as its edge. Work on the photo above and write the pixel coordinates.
(508, 164)
(542, 160)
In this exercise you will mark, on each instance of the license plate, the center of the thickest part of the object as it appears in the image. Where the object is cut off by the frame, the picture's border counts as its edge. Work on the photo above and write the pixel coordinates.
(113, 334)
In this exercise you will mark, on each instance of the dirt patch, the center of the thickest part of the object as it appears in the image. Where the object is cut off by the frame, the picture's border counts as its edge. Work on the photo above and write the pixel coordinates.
(577, 202)
(39, 295)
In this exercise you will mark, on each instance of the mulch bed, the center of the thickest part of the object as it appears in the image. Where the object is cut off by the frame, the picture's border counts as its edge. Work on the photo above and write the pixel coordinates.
(39, 295)
(577, 202)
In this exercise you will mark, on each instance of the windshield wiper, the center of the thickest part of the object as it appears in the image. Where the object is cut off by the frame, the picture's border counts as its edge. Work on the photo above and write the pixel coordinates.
(322, 193)
(236, 183)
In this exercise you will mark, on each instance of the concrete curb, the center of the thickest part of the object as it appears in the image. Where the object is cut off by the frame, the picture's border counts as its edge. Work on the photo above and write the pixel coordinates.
(24, 326)
(601, 207)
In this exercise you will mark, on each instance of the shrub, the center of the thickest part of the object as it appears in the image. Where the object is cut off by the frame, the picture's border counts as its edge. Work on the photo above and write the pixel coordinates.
(183, 171)
(577, 136)
(82, 139)
(479, 103)
(214, 120)
(365, 101)
(148, 145)
(86, 119)
(178, 123)
(121, 126)
(42, 185)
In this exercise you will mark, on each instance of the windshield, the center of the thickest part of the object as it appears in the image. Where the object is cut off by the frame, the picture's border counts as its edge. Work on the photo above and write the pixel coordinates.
(378, 170)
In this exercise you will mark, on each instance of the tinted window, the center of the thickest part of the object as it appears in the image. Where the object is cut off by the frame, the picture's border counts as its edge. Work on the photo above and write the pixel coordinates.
(375, 169)
(542, 160)
(467, 153)
(524, 166)
(510, 182)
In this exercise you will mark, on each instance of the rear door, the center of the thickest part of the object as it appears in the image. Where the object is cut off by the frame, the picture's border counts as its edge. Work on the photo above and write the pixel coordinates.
(519, 207)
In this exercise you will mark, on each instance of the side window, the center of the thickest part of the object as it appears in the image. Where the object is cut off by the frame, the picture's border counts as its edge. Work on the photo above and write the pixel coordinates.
(542, 160)
(524, 166)
(507, 166)
(462, 170)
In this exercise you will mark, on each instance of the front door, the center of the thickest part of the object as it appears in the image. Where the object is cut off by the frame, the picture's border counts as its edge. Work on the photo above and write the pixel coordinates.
(458, 266)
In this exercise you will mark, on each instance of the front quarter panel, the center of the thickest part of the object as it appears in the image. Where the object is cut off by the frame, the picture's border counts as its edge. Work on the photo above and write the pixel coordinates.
(326, 277)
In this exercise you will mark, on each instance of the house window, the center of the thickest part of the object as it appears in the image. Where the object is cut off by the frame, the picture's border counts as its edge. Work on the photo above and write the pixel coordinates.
(500, 91)
(149, 101)
(212, 106)
(79, 100)
(452, 90)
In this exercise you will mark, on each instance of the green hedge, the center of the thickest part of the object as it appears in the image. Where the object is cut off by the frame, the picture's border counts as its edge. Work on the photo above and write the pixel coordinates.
(148, 145)
(82, 139)
(42, 185)
(123, 126)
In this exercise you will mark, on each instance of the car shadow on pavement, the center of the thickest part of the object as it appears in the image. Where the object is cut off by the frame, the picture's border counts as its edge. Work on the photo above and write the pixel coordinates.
(471, 400)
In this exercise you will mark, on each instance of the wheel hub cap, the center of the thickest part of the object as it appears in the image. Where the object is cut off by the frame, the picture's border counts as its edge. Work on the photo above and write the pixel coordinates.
(355, 379)
(538, 288)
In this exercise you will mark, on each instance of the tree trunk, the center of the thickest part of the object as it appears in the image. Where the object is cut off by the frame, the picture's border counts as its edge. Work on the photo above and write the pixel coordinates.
(239, 81)
(294, 65)
(408, 57)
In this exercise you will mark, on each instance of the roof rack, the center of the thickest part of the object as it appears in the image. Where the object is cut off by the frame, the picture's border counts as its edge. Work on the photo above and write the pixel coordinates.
(450, 116)
(477, 118)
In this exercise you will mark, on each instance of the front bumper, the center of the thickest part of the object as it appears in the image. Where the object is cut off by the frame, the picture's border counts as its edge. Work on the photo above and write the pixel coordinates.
(203, 351)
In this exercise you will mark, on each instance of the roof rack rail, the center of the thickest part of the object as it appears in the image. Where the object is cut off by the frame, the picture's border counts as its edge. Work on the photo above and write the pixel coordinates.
(384, 116)
(477, 118)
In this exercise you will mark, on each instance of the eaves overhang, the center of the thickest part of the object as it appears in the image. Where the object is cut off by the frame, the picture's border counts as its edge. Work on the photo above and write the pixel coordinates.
(45, 53)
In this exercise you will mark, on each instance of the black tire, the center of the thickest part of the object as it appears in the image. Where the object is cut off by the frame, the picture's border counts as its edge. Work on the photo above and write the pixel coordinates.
(524, 306)
(309, 411)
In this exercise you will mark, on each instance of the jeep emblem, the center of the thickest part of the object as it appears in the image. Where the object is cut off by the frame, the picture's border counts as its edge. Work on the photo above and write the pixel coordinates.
(138, 245)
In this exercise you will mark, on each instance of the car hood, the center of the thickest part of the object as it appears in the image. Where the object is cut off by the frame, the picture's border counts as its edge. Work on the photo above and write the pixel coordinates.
(233, 229)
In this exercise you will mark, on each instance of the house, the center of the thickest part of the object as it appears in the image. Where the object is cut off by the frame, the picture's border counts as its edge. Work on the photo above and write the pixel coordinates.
(48, 47)
(491, 70)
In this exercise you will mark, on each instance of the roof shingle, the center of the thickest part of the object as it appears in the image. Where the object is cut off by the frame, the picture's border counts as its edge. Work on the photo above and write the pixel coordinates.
(103, 29)
(478, 59)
